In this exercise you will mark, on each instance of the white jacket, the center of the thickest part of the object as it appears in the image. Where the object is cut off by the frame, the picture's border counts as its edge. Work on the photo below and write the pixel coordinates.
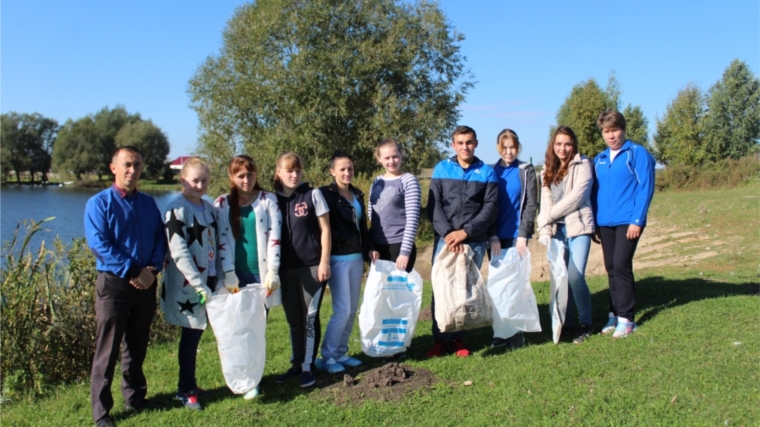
(575, 205)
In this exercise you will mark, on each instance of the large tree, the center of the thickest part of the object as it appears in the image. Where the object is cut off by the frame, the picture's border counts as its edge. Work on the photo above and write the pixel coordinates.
(75, 150)
(315, 76)
(108, 123)
(732, 122)
(28, 141)
(680, 133)
(150, 140)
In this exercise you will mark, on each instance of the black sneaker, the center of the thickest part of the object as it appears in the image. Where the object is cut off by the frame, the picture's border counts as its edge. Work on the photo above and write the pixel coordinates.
(145, 405)
(584, 331)
(516, 341)
(291, 373)
(105, 422)
(307, 379)
(499, 342)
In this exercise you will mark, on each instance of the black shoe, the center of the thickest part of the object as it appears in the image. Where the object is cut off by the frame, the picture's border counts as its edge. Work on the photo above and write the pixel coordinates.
(516, 341)
(307, 379)
(583, 333)
(398, 357)
(145, 405)
(291, 373)
(105, 422)
(499, 342)
(567, 333)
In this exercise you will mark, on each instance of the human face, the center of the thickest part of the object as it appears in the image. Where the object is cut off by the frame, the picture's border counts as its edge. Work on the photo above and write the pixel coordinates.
(563, 147)
(126, 168)
(245, 181)
(614, 137)
(194, 183)
(509, 151)
(464, 145)
(343, 172)
(290, 178)
(390, 159)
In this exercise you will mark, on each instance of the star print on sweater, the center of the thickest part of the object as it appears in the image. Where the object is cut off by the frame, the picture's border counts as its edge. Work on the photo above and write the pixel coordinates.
(174, 225)
(186, 306)
(195, 233)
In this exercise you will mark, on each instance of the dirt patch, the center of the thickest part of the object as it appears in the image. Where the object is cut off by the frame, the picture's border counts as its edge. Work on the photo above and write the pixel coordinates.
(426, 314)
(390, 382)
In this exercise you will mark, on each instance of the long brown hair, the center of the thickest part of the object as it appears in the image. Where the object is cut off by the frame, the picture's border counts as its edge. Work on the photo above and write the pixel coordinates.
(554, 170)
(287, 160)
(238, 164)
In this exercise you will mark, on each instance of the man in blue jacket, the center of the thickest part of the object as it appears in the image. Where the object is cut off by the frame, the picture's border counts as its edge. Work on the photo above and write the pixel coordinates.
(462, 205)
(125, 231)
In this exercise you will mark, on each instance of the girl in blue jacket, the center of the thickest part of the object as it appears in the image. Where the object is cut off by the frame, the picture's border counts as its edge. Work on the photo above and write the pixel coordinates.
(625, 175)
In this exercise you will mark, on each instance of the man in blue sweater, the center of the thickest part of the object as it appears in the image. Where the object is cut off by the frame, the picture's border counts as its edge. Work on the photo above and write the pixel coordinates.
(125, 231)
(462, 205)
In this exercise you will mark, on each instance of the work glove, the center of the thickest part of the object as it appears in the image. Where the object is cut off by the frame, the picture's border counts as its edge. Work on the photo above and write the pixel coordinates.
(544, 239)
(271, 282)
(231, 282)
(202, 295)
(495, 248)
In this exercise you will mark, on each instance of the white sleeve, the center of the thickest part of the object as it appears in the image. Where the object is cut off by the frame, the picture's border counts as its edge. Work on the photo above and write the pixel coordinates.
(320, 205)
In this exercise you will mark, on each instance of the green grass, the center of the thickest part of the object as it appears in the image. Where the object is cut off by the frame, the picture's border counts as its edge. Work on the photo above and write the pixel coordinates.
(695, 359)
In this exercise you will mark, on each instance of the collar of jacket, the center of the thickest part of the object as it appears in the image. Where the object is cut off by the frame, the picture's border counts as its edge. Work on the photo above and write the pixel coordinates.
(475, 163)
(518, 163)
(334, 188)
(626, 146)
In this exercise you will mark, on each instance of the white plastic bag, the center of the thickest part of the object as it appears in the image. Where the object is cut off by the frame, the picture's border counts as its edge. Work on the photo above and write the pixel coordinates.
(461, 296)
(558, 288)
(514, 303)
(239, 324)
(390, 309)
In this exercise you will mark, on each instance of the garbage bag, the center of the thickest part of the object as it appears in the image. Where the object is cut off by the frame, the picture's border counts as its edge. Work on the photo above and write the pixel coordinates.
(514, 303)
(461, 296)
(239, 324)
(389, 310)
(558, 286)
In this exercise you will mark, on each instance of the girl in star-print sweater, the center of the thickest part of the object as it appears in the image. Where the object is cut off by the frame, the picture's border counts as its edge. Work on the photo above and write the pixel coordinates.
(190, 272)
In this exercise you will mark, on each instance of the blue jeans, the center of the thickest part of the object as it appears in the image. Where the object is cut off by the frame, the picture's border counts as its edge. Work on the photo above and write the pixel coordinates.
(576, 256)
(480, 249)
(345, 287)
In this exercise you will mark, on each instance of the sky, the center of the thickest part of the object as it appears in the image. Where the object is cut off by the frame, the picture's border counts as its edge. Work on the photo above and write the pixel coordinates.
(65, 60)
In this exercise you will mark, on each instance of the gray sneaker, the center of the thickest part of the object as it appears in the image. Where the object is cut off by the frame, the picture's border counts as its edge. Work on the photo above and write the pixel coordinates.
(584, 331)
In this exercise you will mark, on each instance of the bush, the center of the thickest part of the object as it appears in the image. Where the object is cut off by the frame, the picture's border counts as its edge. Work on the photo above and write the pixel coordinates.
(48, 313)
(724, 173)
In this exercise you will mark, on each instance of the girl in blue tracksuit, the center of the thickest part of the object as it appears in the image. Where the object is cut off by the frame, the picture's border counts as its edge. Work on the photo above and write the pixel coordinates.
(625, 175)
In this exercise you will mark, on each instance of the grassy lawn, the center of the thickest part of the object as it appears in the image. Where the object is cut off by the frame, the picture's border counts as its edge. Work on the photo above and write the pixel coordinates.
(695, 359)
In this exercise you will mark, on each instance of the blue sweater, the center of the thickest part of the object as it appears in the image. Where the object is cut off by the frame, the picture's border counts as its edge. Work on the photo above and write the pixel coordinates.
(625, 186)
(125, 232)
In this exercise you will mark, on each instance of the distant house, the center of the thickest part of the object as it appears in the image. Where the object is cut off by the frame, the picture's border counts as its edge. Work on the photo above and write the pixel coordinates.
(178, 162)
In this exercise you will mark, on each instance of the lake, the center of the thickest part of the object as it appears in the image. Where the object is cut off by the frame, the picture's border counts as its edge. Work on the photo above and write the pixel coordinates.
(66, 204)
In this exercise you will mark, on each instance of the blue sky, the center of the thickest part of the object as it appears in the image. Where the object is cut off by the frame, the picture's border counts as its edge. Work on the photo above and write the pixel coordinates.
(68, 59)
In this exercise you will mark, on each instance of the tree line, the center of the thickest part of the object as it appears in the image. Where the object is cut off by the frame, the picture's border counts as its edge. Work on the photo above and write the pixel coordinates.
(34, 143)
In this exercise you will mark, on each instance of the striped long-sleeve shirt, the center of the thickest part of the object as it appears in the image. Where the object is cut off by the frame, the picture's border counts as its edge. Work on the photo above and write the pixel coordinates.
(394, 209)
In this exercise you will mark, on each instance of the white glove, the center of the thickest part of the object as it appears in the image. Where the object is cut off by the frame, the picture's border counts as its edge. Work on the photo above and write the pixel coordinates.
(271, 282)
(544, 239)
(231, 282)
(522, 246)
(203, 295)
(495, 248)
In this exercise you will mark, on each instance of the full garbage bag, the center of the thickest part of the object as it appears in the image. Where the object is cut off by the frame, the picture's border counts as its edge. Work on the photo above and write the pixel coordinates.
(389, 310)
(461, 296)
(514, 303)
(558, 286)
(239, 324)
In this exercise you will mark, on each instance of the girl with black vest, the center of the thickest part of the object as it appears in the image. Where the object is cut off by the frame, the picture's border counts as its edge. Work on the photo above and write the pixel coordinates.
(305, 265)
(350, 249)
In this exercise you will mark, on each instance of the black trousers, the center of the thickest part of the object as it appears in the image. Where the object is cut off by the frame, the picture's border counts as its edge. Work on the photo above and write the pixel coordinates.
(618, 254)
(123, 315)
(391, 251)
(302, 294)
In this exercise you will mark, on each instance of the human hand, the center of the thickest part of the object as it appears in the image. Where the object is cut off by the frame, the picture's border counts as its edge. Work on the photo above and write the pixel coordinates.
(323, 271)
(271, 282)
(455, 237)
(544, 239)
(634, 231)
(203, 295)
(231, 282)
(145, 279)
(495, 248)
(597, 237)
(457, 249)
(522, 246)
(374, 256)
(401, 262)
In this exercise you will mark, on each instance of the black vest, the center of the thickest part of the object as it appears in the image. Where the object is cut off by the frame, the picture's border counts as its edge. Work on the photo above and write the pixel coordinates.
(300, 242)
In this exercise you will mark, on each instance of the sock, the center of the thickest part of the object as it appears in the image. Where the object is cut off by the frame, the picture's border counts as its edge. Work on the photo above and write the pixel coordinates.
(622, 320)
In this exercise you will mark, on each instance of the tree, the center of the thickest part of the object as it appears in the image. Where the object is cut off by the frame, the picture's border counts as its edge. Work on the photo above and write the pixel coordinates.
(28, 143)
(581, 109)
(679, 138)
(732, 123)
(315, 76)
(637, 125)
(151, 142)
(108, 123)
(75, 150)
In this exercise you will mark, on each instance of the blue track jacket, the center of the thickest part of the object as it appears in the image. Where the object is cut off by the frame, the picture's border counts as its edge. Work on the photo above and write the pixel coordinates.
(625, 186)
(463, 199)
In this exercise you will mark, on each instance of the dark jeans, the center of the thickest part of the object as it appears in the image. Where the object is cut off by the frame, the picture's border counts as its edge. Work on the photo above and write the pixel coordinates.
(618, 254)
(301, 299)
(392, 251)
(123, 314)
(188, 352)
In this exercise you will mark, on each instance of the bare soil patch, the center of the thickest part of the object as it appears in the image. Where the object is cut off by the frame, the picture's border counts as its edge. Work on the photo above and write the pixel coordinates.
(390, 382)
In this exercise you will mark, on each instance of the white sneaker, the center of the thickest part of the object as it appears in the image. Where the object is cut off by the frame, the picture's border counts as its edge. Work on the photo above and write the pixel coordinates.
(252, 394)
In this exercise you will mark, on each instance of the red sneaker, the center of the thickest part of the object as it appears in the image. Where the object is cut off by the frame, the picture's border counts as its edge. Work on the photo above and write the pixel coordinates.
(459, 349)
(438, 350)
